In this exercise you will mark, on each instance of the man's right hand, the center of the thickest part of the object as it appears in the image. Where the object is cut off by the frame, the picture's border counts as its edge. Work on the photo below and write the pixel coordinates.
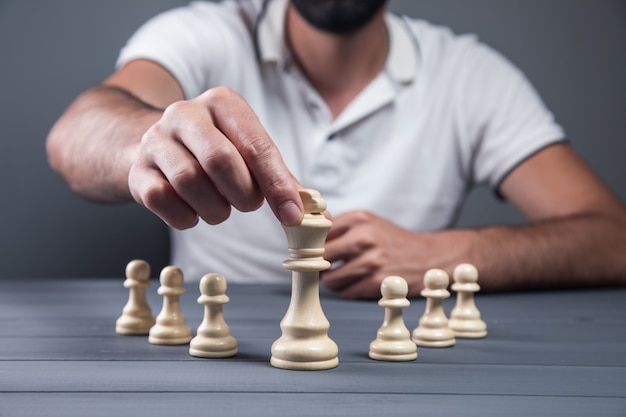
(194, 159)
(207, 155)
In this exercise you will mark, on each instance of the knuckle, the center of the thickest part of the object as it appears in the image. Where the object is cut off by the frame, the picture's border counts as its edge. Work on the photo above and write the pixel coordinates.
(185, 178)
(153, 134)
(275, 188)
(155, 141)
(276, 185)
(361, 216)
(257, 148)
(219, 165)
(332, 284)
(158, 197)
(365, 241)
(154, 195)
(218, 95)
(378, 260)
(176, 109)
(219, 159)
(186, 117)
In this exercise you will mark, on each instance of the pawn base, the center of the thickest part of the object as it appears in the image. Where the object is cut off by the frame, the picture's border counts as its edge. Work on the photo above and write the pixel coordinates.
(393, 357)
(169, 336)
(466, 334)
(434, 343)
(304, 366)
(438, 338)
(133, 326)
(213, 348)
(212, 354)
(468, 329)
(393, 350)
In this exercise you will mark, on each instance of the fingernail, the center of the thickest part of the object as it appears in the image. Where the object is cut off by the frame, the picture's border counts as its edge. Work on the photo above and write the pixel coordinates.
(290, 214)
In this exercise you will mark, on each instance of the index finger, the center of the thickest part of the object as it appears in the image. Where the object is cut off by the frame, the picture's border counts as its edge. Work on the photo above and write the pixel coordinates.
(235, 118)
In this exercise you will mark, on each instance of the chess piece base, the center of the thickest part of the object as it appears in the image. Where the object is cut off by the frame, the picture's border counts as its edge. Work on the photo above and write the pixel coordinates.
(308, 354)
(132, 331)
(304, 366)
(393, 358)
(470, 335)
(211, 354)
(434, 343)
(133, 325)
(434, 338)
(465, 329)
(160, 335)
(213, 349)
(393, 351)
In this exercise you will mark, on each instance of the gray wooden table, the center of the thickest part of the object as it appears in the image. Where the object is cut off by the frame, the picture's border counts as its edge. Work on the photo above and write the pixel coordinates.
(547, 353)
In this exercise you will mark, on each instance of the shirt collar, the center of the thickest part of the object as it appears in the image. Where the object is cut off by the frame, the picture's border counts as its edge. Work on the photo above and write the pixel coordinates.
(402, 63)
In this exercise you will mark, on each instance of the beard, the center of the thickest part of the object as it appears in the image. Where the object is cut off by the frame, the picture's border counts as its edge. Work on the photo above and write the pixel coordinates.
(338, 16)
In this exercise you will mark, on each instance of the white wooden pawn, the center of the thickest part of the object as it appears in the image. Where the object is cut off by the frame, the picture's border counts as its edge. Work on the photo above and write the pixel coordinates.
(170, 327)
(213, 338)
(465, 318)
(304, 343)
(393, 341)
(433, 330)
(136, 318)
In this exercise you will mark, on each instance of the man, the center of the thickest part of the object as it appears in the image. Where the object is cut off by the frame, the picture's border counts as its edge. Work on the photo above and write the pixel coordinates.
(391, 119)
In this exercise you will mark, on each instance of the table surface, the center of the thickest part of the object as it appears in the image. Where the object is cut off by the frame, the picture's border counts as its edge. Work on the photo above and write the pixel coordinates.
(547, 353)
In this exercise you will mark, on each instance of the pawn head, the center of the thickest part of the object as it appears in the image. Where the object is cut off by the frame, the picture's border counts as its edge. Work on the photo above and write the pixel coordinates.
(138, 270)
(213, 284)
(436, 279)
(465, 273)
(394, 287)
(171, 276)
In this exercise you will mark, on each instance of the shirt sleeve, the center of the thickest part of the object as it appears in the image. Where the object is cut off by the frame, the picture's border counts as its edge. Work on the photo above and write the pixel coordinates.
(184, 41)
(506, 119)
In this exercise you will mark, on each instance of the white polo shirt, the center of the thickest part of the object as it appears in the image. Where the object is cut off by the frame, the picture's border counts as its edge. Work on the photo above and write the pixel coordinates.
(446, 113)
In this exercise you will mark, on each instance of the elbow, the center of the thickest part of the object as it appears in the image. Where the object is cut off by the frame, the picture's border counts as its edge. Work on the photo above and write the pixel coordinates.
(58, 153)
(63, 144)
(54, 149)
(62, 157)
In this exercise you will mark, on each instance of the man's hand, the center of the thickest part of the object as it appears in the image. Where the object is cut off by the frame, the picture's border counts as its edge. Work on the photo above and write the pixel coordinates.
(135, 137)
(368, 248)
(207, 155)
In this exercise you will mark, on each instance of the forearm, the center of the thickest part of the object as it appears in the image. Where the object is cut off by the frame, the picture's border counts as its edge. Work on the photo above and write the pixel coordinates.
(94, 143)
(577, 251)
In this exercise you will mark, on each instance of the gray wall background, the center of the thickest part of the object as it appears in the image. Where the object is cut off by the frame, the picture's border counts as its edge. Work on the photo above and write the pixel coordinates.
(574, 51)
